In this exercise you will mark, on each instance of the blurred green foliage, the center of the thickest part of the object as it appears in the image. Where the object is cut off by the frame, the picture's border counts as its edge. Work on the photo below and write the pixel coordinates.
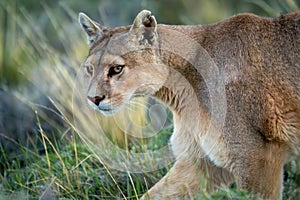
(15, 14)
(18, 55)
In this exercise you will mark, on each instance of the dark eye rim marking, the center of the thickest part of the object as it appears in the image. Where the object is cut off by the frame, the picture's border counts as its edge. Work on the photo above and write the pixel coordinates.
(115, 70)
(89, 69)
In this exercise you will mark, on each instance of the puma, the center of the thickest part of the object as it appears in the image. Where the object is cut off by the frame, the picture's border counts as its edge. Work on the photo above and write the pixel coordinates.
(233, 87)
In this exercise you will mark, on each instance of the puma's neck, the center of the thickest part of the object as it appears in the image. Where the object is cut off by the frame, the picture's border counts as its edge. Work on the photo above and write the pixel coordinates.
(175, 94)
(181, 97)
(184, 90)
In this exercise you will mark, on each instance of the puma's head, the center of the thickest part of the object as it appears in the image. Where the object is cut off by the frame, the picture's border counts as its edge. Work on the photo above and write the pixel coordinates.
(122, 62)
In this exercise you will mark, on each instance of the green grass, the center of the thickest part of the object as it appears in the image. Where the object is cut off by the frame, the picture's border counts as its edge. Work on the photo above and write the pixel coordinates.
(69, 169)
(72, 171)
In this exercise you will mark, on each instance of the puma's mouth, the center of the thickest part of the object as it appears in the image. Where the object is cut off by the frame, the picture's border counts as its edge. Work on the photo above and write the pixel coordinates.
(105, 110)
(108, 111)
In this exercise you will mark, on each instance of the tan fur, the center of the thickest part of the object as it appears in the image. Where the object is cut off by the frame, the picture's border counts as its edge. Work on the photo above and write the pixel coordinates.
(260, 62)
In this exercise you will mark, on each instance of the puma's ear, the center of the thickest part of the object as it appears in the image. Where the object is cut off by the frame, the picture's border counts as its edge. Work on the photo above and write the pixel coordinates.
(144, 26)
(144, 19)
(91, 28)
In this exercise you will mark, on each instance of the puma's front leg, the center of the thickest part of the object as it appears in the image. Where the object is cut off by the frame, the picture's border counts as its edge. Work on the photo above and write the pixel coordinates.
(261, 173)
(183, 181)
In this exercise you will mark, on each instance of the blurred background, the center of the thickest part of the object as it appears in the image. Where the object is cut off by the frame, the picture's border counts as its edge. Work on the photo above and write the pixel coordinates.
(42, 48)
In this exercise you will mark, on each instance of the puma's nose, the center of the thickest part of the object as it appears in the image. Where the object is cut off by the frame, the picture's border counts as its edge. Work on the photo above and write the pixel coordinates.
(96, 100)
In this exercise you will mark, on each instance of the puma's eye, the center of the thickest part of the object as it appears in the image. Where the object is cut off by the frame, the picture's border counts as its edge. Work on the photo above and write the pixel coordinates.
(115, 70)
(89, 69)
